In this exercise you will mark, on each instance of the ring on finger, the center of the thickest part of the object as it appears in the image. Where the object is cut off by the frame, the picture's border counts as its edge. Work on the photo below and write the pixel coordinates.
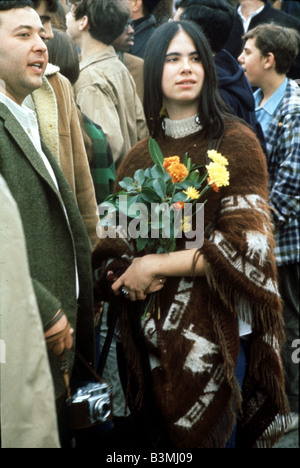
(125, 292)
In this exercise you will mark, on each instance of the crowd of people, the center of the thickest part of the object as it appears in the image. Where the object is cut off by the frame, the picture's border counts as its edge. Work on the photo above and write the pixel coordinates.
(85, 87)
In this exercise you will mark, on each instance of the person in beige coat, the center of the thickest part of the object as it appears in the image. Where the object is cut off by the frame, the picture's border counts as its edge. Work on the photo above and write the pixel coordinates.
(61, 129)
(61, 132)
(28, 413)
(105, 90)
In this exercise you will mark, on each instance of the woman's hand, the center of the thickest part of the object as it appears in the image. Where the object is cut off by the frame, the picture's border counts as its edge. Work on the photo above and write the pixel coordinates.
(139, 280)
(148, 274)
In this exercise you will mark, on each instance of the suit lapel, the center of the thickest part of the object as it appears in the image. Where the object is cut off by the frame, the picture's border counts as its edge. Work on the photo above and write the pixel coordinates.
(64, 194)
(26, 145)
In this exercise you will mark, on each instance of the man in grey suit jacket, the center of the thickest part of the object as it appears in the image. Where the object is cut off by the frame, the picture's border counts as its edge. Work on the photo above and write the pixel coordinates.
(57, 243)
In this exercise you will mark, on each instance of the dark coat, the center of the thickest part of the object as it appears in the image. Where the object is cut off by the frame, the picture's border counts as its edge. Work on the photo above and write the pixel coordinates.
(143, 29)
(52, 242)
(236, 91)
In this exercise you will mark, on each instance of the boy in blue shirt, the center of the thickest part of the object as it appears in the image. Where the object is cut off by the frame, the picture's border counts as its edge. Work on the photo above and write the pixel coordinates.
(268, 53)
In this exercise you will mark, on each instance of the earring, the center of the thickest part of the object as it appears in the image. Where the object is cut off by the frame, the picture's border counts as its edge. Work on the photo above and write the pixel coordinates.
(197, 120)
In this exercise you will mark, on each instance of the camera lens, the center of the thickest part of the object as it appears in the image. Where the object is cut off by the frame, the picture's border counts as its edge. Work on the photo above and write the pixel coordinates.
(102, 410)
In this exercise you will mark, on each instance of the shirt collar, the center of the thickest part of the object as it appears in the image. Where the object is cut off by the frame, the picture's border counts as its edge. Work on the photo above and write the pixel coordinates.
(246, 22)
(271, 105)
(105, 54)
(22, 113)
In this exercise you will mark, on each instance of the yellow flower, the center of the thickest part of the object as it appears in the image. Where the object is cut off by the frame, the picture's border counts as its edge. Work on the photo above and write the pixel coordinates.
(177, 171)
(217, 174)
(186, 224)
(217, 157)
(192, 193)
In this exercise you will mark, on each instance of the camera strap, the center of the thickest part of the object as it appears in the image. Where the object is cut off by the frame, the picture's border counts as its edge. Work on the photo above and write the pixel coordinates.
(103, 357)
(65, 370)
(109, 338)
(84, 361)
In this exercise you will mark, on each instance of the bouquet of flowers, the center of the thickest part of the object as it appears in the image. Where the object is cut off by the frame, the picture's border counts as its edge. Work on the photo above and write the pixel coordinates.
(156, 207)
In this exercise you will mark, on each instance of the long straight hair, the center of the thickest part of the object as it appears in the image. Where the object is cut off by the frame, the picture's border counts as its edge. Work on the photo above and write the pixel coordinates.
(212, 110)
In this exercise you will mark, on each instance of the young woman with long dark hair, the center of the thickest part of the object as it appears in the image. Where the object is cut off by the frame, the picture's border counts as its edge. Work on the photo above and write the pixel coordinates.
(213, 349)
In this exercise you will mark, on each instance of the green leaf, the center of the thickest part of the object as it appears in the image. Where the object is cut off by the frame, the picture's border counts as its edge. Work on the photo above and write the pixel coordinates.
(156, 153)
(193, 177)
(149, 183)
(162, 250)
(160, 187)
(148, 172)
(139, 177)
(128, 184)
(141, 243)
(157, 171)
(187, 162)
(167, 178)
(167, 246)
(183, 185)
(180, 196)
(133, 199)
(148, 195)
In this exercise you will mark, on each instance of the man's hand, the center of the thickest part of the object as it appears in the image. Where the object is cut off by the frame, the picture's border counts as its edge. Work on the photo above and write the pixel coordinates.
(59, 336)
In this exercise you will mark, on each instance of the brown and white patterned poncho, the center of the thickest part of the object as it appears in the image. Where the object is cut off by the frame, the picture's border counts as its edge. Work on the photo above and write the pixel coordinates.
(194, 344)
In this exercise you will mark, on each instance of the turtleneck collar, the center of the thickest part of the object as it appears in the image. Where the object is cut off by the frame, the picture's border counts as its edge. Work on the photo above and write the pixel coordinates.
(182, 128)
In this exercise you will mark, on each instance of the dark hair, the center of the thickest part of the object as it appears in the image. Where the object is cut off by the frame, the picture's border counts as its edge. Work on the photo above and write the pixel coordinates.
(11, 4)
(51, 4)
(63, 53)
(215, 17)
(107, 18)
(58, 19)
(212, 109)
(149, 6)
(282, 42)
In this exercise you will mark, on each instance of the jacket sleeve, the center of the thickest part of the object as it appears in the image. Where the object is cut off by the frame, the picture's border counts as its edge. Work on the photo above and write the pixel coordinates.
(55, 101)
(142, 129)
(96, 101)
(84, 185)
(284, 193)
(47, 303)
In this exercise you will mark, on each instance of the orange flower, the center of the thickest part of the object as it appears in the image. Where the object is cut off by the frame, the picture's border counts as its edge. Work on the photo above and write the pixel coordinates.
(179, 205)
(169, 161)
(177, 171)
(213, 185)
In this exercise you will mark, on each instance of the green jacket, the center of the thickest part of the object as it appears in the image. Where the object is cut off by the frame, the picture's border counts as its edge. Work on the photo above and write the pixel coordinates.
(52, 242)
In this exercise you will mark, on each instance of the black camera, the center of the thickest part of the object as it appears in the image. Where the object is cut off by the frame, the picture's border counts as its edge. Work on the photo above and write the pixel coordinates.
(90, 405)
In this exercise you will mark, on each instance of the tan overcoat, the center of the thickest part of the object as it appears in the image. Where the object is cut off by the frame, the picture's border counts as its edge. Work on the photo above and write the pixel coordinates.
(28, 413)
(61, 131)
